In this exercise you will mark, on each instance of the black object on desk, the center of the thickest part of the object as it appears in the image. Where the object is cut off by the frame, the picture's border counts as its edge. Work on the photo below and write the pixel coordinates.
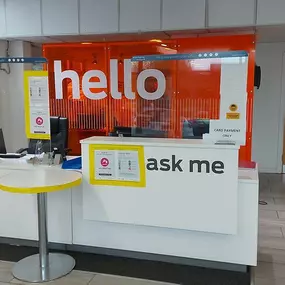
(2, 143)
(137, 132)
(3, 151)
(12, 155)
(59, 137)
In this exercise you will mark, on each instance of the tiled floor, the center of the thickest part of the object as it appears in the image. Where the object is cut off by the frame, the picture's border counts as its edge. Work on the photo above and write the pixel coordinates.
(76, 278)
(271, 252)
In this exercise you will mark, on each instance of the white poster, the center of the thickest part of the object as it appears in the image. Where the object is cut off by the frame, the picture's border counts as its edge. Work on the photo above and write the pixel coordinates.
(105, 165)
(39, 121)
(37, 105)
(226, 131)
(117, 165)
(38, 89)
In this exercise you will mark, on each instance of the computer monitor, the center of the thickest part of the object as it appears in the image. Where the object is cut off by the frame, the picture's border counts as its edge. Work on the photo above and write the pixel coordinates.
(2, 143)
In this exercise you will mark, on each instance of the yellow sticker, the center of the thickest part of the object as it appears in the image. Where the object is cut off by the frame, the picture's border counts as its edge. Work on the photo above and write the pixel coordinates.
(233, 107)
(233, 116)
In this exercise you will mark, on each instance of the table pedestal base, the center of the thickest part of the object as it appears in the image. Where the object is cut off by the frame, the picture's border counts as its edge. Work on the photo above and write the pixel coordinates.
(29, 269)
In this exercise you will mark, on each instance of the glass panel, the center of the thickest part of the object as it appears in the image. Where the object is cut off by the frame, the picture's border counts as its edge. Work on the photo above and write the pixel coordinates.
(191, 95)
(86, 117)
(147, 117)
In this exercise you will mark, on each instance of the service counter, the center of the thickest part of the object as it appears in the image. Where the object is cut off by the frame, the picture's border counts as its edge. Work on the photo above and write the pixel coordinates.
(183, 198)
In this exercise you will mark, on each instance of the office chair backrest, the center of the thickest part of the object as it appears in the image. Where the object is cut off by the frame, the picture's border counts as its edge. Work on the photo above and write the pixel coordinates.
(2, 143)
(59, 136)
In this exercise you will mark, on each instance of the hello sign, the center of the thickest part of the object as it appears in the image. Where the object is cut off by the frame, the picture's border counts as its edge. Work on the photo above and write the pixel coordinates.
(102, 83)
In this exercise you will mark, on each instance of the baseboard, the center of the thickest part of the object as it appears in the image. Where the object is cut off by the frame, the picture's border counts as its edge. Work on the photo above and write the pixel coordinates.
(138, 265)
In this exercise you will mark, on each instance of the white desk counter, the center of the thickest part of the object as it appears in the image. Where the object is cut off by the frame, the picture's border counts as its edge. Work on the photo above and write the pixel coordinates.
(171, 215)
(193, 213)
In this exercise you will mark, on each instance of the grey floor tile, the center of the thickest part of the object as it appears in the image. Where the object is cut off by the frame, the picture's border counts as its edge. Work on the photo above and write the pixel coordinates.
(268, 214)
(267, 270)
(271, 242)
(271, 255)
(74, 278)
(281, 215)
(5, 271)
(271, 205)
(266, 281)
(102, 279)
(279, 201)
(270, 231)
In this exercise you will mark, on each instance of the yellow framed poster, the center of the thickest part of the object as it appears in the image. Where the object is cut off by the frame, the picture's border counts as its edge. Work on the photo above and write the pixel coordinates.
(36, 102)
(117, 165)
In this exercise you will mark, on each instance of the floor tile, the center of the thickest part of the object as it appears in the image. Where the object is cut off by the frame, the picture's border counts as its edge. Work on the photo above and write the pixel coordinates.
(271, 255)
(271, 242)
(5, 271)
(279, 201)
(273, 204)
(268, 214)
(268, 200)
(266, 281)
(101, 279)
(270, 270)
(281, 215)
(74, 278)
(270, 231)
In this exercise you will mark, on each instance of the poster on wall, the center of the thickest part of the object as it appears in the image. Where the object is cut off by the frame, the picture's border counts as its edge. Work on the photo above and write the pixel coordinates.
(117, 165)
(37, 113)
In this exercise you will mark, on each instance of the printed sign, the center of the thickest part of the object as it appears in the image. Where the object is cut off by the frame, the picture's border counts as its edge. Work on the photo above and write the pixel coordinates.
(226, 131)
(37, 111)
(117, 165)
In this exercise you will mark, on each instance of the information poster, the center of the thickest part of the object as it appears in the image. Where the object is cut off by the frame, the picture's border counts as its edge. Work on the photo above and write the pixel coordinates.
(117, 165)
(37, 111)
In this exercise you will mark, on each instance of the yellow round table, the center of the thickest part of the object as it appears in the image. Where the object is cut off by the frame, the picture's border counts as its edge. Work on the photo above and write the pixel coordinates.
(44, 266)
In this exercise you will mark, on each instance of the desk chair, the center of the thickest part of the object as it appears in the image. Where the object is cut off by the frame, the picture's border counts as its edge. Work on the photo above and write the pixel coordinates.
(59, 137)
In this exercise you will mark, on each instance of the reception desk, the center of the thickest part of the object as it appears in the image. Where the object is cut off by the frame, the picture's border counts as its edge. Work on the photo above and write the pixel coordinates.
(199, 206)
(186, 199)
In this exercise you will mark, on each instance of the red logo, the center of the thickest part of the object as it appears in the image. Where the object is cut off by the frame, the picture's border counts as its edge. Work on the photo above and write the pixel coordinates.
(104, 162)
(39, 121)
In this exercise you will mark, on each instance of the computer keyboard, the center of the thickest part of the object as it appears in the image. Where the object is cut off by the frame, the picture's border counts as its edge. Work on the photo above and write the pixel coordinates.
(11, 155)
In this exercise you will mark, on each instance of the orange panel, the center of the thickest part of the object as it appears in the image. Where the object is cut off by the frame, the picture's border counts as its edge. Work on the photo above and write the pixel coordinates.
(192, 90)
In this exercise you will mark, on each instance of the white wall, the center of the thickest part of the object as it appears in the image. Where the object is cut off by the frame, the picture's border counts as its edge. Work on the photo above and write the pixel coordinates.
(12, 98)
(268, 110)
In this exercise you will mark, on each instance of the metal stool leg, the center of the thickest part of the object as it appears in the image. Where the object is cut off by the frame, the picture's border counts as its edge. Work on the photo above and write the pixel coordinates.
(42, 227)
(43, 267)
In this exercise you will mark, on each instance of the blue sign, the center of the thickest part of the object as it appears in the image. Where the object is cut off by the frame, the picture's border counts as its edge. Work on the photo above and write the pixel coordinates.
(23, 60)
(189, 56)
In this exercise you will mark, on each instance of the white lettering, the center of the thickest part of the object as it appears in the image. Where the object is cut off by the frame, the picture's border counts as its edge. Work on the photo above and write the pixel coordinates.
(114, 79)
(60, 76)
(160, 80)
(128, 79)
(87, 85)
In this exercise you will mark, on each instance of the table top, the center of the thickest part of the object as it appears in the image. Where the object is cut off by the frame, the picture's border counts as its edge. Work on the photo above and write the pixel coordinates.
(40, 180)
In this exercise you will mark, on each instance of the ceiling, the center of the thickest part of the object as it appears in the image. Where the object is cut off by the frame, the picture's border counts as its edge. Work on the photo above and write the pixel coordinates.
(264, 34)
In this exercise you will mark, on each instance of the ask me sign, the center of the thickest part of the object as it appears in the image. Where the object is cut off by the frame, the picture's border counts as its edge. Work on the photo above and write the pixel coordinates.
(196, 187)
